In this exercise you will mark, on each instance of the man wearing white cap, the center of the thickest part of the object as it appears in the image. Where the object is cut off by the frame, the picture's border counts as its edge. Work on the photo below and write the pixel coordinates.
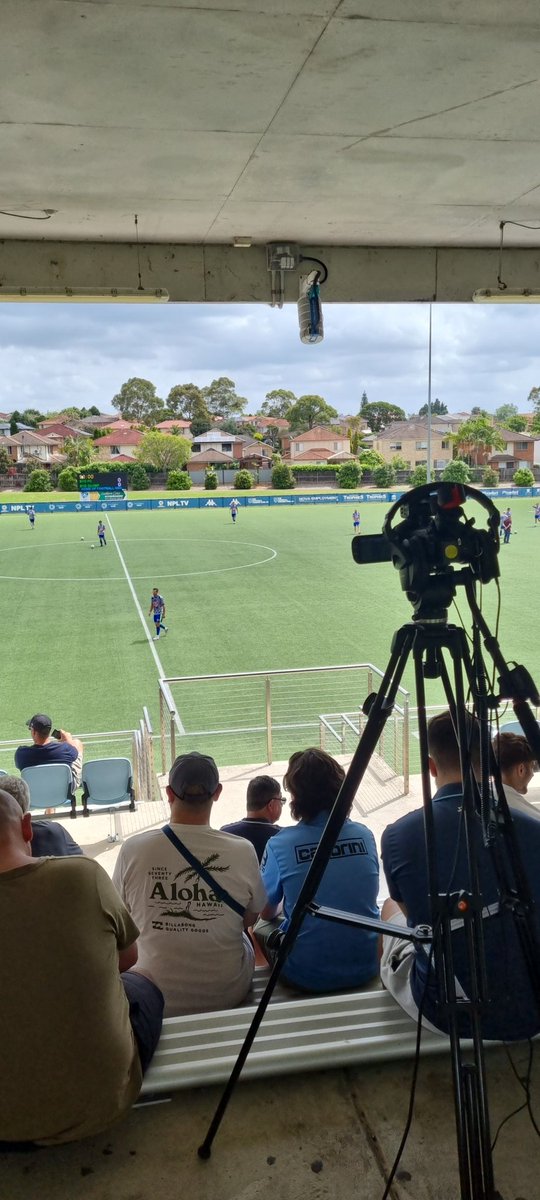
(193, 891)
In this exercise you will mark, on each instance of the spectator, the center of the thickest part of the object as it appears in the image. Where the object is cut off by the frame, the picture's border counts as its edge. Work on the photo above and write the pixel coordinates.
(47, 749)
(512, 1013)
(517, 764)
(325, 956)
(74, 1050)
(193, 897)
(264, 803)
(48, 839)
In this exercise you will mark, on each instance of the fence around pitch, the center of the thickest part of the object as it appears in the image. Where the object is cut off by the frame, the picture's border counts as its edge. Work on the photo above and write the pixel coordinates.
(263, 716)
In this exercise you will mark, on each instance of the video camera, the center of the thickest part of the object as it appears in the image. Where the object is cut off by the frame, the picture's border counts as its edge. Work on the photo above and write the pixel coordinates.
(434, 536)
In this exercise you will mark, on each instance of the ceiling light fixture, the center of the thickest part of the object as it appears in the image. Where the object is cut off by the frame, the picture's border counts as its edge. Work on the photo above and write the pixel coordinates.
(502, 294)
(242, 243)
(67, 295)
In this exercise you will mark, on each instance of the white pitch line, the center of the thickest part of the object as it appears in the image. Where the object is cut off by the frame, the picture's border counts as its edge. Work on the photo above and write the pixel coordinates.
(157, 659)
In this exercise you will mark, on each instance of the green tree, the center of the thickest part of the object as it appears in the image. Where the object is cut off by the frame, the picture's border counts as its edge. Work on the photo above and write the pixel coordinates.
(354, 438)
(210, 479)
(438, 409)
(5, 461)
(504, 412)
(457, 471)
(182, 398)
(68, 480)
(38, 481)
(243, 480)
(535, 423)
(79, 452)
(282, 476)
(384, 476)
(179, 481)
(399, 463)
(381, 414)
(164, 451)
(222, 399)
(309, 411)
(370, 459)
(517, 424)
(490, 477)
(138, 401)
(477, 436)
(138, 479)
(349, 475)
(534, 399)
(418, 476)
(523, 477)
(363, 403)
(31, 417)
(277, 403)
(201, 421)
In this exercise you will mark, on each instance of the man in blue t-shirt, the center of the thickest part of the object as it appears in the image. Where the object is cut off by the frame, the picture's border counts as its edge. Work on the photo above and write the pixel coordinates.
(157, 611)
(512, 1013)
(47, 749)
(264, 803)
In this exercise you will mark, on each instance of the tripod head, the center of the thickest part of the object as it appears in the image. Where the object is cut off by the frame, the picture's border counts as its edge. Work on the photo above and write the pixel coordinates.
(432, 537)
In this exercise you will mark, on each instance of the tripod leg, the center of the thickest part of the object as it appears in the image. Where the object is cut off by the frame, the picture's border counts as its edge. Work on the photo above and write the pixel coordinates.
(378, 716)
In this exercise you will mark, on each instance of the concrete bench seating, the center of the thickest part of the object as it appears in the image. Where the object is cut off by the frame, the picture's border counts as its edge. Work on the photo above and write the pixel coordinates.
(298, 1033)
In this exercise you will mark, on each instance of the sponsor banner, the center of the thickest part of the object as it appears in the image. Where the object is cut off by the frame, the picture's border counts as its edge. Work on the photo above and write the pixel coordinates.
(181, 502)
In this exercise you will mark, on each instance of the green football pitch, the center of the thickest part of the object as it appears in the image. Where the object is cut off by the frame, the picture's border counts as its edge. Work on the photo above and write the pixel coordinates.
(279, 589)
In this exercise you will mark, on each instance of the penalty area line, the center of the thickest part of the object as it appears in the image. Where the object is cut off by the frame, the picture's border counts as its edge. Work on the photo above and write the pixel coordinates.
(157, 659)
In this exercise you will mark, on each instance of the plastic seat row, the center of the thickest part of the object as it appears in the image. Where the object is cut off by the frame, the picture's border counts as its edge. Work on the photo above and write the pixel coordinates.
(107, 783)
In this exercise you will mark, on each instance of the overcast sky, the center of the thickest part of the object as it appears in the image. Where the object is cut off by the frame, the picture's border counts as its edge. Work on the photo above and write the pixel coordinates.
(54, 355)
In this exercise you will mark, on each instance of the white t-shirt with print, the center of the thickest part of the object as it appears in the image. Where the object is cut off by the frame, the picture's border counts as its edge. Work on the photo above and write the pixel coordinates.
(192, 944)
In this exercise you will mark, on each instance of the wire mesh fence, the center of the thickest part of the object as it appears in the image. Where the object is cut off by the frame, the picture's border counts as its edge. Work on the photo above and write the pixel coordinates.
(262, 717)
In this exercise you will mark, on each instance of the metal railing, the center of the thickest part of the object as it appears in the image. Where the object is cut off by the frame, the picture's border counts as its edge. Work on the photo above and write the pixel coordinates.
(263, 716)
(340, 733)
(142, 757)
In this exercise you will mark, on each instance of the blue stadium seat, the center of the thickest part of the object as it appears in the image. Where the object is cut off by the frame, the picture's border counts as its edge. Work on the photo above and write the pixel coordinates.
(51, 786)
(108, 784)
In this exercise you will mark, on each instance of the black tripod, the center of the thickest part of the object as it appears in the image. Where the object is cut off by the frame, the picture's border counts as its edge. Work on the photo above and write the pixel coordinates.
(425, 639)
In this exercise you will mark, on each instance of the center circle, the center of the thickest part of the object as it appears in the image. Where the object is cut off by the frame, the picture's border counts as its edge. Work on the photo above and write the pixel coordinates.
(257, 562)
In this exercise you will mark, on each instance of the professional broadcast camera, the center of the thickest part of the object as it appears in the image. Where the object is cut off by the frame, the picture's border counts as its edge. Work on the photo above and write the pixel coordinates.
(434, 536)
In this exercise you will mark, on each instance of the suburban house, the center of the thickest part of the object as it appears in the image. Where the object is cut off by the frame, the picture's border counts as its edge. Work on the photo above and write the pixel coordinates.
(62, 430)
(519, 451)
(319, 444)
(408, 440)
(122, 442)
(26, 444)
(175, 425)
(234, 447)
(262, 423)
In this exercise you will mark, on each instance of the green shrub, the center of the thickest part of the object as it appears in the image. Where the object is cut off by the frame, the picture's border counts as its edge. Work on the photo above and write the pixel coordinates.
(282, 476)
(370, 459)
(418, 476)
(523, 477)
(243, 480)
(457, 471)
(38, 481)
(179, 481)
(399, 463)
(349, 475)
(68, 480)
(490, 477)
(384, 476)
(138, 479)
(210, 479)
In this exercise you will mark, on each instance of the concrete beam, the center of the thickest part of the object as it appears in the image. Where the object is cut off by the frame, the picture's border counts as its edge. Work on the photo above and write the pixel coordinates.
(224, 274)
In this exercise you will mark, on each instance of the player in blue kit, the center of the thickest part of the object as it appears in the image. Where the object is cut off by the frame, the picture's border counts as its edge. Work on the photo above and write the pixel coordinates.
(234, 506)
(31, 515)
(356, 520)
(101, 531)
(157, 610)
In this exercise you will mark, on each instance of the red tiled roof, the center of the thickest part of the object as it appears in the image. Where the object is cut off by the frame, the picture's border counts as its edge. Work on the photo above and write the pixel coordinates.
(121, 437)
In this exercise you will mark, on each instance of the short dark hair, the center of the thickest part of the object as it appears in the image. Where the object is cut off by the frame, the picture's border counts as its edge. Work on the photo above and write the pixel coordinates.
(443, 744)
(260, 791)
(314, 779)
(511, 749)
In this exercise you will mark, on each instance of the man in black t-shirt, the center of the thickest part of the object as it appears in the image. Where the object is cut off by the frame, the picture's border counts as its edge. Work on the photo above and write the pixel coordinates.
(264, 805)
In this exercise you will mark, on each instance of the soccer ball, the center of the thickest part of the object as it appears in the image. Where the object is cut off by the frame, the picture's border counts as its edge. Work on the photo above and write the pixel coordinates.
(92, 547)
(82, 539)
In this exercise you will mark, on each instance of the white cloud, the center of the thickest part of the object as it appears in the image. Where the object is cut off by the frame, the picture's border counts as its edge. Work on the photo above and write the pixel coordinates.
(56, 355)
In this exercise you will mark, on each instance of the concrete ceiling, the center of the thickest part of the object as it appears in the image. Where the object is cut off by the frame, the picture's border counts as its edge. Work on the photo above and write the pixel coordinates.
(331, 123)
